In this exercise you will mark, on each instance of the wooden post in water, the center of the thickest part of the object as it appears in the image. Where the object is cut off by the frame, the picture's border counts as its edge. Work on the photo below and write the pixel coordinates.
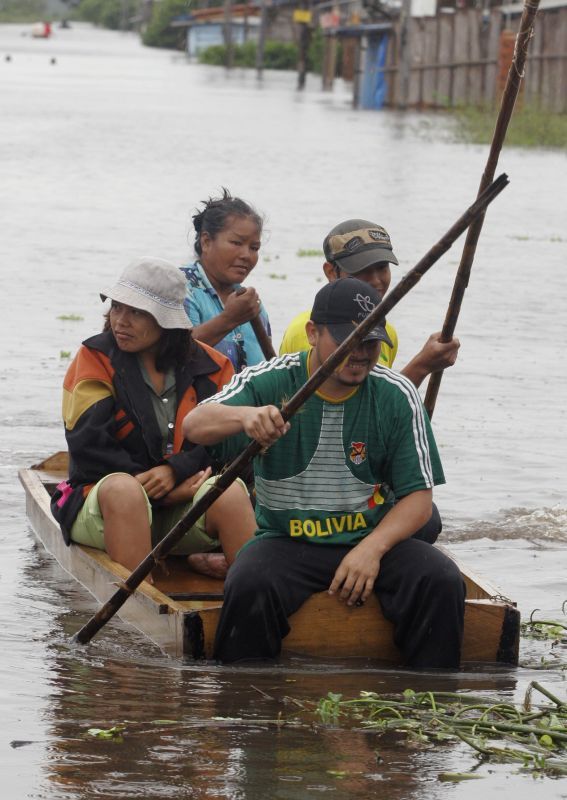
(359, 58)
(405, 56)
(515, 75)
(227, 33)
(260, 47)
(329, 62)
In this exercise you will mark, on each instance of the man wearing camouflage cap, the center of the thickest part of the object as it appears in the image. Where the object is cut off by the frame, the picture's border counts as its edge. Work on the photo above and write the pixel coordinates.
(363, 249)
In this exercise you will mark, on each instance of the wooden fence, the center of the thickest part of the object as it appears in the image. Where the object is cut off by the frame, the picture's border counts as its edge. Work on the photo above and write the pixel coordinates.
(463, 58)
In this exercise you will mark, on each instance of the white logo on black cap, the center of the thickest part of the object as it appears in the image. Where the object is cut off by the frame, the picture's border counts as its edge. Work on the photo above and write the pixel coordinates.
(365, 303)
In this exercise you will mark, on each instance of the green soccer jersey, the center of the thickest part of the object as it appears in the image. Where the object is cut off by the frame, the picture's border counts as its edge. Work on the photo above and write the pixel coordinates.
(342, 465)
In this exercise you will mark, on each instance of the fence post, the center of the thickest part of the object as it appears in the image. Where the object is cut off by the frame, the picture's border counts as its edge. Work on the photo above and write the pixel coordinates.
(405, 54)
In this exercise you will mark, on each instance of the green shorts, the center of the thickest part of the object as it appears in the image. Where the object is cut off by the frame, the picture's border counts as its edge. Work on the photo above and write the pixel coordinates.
(88, 527)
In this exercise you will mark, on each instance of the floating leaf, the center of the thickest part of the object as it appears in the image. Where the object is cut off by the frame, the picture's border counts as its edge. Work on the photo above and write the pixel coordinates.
(308, 252)
(71, 317)
(107, 733)
(458, 777)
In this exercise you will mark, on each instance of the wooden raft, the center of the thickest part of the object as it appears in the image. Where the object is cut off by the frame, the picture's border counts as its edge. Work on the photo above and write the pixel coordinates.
(181, 611)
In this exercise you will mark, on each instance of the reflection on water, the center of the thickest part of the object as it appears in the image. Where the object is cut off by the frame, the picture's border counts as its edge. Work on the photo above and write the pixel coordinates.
(267, 734)
(103, 157)
(173, 743)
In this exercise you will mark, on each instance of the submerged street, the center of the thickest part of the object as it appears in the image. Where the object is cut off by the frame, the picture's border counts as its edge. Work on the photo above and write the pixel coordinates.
(105, 153)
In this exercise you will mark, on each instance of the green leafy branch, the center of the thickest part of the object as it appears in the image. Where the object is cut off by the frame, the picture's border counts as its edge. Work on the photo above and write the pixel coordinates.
(535, 738)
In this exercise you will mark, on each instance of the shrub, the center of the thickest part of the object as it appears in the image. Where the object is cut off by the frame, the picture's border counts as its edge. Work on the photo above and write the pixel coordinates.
(277, 55)
(215, 55)
(315, 53)
(280, 55)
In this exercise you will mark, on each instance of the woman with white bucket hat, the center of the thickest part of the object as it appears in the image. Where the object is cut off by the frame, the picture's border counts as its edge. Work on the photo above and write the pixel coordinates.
(132, 476)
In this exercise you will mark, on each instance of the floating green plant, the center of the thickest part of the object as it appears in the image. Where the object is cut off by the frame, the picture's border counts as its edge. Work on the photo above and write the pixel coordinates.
(107, 733)
(275, 277)
(309, 252)
(535, 737)
(70, 317)
(64, 354)
(544, 628)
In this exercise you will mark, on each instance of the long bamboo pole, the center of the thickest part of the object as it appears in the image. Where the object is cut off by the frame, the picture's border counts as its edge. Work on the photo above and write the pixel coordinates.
(511, 90)
(289, 409)
(263, 339)
(260, 333)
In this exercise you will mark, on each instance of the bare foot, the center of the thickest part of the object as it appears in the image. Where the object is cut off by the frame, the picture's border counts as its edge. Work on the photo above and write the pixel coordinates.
(212, 564)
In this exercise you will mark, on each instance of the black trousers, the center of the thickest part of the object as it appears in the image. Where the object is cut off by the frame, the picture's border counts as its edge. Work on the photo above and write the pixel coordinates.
(420, 591)
(432, 528)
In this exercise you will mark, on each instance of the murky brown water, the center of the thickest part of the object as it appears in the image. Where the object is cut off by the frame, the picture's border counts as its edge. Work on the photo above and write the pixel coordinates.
(103, 156)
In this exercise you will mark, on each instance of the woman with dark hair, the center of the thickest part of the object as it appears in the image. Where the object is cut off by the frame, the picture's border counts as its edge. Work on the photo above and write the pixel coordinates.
(132, 476)
(227, 242)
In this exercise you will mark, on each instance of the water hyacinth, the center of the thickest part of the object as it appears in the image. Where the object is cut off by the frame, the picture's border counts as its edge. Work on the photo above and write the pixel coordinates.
(535, 737)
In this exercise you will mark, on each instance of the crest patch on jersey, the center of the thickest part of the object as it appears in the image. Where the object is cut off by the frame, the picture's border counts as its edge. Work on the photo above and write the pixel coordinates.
(358, 452)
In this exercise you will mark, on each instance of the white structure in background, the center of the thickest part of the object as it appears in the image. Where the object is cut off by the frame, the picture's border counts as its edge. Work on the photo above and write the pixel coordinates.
(423, 8)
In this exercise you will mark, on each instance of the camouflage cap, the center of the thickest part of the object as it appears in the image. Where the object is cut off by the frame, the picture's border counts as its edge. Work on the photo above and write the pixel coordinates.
(357, 244)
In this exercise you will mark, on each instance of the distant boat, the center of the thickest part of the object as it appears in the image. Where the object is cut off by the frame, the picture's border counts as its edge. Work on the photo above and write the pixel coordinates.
(41, 30)
(181, 610)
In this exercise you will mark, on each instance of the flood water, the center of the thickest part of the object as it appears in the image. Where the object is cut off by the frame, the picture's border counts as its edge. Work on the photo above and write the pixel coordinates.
(104, 154)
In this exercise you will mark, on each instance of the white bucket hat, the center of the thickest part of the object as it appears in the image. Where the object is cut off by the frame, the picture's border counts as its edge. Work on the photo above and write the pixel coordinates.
(155, 286)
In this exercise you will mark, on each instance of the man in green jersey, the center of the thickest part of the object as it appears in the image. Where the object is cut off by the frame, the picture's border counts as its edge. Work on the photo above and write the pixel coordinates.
(340, 491)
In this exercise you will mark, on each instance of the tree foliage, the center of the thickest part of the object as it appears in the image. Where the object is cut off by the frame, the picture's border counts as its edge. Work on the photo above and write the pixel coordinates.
(113, 14)
(21, 10)
(159, 32)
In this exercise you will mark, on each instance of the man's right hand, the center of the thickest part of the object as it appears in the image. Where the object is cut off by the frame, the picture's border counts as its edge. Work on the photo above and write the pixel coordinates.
(264, 424)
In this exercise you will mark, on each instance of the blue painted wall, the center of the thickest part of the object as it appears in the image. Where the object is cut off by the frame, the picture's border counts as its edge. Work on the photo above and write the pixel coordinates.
(374, 87)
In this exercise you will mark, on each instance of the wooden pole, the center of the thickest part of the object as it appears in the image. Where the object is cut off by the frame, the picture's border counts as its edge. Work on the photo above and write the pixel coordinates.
(263, 339)
(511, 90)
(359, 52)
(227, 31)
(329, 62)
(405, 55)
(260, 47)
(260, 333)
(288, 410)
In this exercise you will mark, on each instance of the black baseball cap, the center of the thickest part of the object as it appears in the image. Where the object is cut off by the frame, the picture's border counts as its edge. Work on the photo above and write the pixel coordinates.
(341, 305)
(356, 244)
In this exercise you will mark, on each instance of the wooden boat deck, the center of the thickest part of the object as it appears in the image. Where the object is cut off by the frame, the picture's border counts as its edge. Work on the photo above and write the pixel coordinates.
(180, 612)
